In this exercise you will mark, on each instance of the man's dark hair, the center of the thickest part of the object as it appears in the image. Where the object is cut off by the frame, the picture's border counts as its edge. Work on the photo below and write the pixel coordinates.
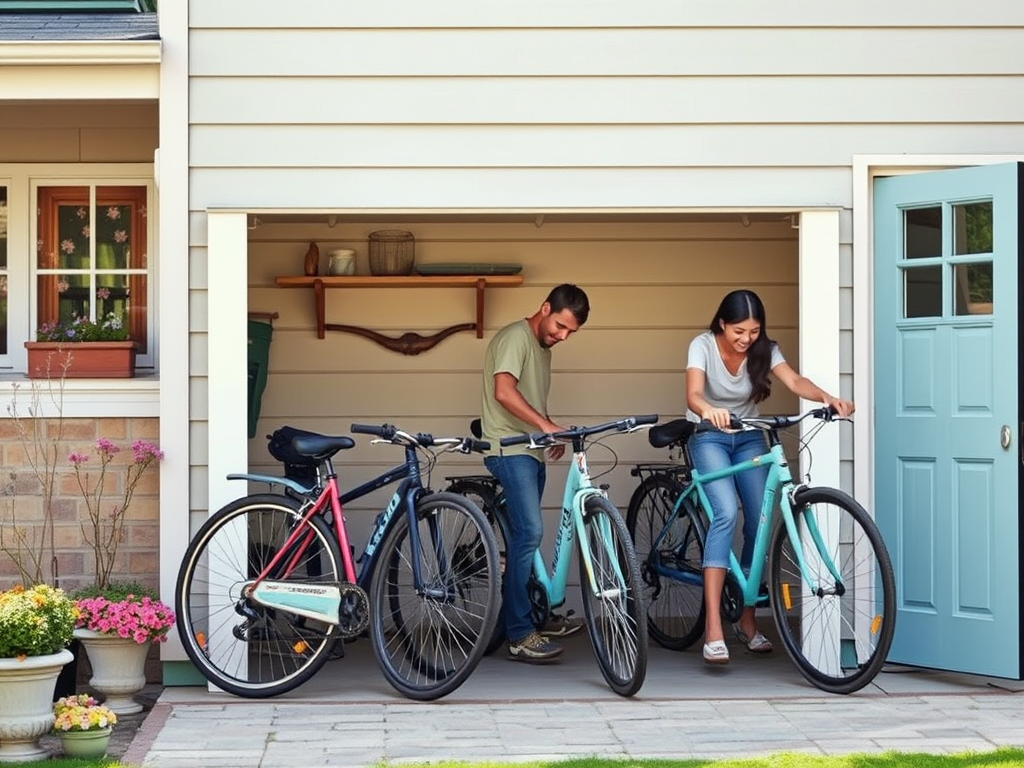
(571, 297)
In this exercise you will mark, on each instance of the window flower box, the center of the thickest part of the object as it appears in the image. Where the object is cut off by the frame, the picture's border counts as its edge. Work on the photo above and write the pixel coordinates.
(81, 359)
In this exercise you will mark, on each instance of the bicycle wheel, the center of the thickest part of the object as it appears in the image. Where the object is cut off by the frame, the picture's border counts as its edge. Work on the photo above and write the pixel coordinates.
(614, 608)
(837, 631)
(483, 495)
(238, 644)
(428, 640)
(671, 576)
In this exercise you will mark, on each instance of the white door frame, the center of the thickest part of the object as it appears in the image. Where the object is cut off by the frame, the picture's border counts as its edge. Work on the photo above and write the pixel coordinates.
(865, 168)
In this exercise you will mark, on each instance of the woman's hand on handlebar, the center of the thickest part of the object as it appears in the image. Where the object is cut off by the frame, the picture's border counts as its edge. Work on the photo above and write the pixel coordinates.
(718, 417)
(843, 408)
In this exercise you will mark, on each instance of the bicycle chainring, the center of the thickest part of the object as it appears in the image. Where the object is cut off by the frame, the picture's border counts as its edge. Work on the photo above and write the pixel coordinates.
(540, 606)
(732, 599)
(354, 613)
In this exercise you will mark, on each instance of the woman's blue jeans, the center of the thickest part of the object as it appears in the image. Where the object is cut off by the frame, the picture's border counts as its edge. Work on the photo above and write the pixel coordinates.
(711, 451)
(522, 478)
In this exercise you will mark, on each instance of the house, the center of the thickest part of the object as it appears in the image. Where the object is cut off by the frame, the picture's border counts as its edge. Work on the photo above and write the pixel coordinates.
(659, 155)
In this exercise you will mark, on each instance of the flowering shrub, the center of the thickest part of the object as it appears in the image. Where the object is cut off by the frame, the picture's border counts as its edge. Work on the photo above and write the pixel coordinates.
(109, 328)
(35, 622)
(81, 713)
(105, 528)
(141, 619)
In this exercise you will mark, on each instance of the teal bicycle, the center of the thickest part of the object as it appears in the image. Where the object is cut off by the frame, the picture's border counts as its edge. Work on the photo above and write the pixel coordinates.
(609, 571)
(830, 582)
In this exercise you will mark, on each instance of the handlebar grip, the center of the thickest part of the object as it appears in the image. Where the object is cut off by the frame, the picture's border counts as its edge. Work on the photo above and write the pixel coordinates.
(367, 429)
(514, 440)
(478, 446)
(649, 419)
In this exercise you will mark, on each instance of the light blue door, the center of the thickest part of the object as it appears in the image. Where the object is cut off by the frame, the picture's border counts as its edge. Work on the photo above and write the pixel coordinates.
(947, 414)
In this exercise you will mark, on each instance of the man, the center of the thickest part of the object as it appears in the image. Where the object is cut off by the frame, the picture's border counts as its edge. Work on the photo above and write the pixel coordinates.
(517, 377)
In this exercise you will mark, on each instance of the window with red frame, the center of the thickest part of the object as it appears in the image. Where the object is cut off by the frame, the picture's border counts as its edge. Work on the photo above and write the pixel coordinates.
(91, 260)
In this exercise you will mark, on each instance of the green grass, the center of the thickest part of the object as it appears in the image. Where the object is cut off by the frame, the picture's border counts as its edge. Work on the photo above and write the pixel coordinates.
(1000, 758)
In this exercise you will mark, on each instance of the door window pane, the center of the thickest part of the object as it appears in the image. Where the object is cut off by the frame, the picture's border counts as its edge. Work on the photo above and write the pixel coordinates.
(922, 229)
(972, 228)
(972, 286)
(922, 292)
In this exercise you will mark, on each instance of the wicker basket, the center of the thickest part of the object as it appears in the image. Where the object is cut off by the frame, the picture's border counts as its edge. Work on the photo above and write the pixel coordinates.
(392, 252)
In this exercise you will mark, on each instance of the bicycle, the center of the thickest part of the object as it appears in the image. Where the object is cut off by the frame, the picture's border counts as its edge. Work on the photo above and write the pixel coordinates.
(609, 570)
(268, 590)
(830, 580)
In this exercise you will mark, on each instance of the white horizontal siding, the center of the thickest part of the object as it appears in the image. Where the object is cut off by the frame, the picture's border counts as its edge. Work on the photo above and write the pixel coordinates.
(560, 146)
(670, 51)
(524, 189)
(750, 100)
(608, 13)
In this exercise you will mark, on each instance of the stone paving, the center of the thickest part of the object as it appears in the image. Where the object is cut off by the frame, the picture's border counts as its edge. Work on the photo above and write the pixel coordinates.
(349, 717)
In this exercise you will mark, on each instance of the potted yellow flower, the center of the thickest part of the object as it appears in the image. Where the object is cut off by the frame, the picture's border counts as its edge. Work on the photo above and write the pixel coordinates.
(83, 725)
(36, 625)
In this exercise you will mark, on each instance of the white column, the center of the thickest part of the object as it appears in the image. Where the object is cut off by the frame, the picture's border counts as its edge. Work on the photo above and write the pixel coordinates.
(227, 342)
(819, 328)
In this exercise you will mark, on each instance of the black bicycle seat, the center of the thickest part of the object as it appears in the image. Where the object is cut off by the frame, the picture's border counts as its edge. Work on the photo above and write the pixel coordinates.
(677, 431)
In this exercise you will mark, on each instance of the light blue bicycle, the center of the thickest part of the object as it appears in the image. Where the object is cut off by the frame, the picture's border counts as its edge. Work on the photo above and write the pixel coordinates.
(830, 581)
(609, 572)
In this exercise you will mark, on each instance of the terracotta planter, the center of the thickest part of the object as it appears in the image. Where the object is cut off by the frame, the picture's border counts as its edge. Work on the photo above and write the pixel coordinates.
(26, 705)
(81, 359)
(86, 743)
(118, 668)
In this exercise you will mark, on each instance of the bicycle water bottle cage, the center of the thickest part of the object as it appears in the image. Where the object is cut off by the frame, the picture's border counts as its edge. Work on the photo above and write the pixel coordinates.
(675, 432)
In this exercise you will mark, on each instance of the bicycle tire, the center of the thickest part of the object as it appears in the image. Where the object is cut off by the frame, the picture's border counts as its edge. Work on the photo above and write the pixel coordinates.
(237, 644)
(675, 606)
(615, 614)
(849, 634)
(484, 497)
(428, 642)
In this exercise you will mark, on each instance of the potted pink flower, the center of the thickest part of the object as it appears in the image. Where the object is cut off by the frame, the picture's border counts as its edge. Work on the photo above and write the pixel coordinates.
(117, 625)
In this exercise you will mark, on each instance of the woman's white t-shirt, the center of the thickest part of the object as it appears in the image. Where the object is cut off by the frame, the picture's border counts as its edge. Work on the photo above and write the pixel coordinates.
(721, 388)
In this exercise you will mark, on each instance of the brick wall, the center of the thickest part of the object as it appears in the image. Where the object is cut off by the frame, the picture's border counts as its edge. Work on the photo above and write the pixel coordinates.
(25, 441)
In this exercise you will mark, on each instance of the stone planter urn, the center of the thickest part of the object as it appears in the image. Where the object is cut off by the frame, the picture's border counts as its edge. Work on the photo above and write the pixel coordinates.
(118, 668)
(26, 704)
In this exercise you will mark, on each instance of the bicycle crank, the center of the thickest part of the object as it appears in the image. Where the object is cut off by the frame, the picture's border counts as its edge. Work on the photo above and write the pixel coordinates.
(354, 613)
(732, 599)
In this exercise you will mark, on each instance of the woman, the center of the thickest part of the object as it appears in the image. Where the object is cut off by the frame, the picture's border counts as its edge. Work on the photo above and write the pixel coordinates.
(727, 373)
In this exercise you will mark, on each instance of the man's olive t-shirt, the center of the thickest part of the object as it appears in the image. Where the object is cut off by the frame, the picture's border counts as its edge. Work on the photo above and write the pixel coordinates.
(515, 350)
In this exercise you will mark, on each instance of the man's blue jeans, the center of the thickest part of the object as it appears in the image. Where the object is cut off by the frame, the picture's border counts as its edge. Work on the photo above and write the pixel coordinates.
(711, 451)
(523, 478)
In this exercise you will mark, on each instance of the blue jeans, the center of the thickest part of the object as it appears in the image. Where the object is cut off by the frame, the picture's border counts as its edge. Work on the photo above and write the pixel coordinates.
(711, 451)
(523, 478)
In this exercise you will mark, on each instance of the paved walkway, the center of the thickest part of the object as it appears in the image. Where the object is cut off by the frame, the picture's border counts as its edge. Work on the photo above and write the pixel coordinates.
(348, 715)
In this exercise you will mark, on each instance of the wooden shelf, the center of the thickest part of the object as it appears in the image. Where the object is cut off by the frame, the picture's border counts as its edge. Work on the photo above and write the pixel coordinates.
(410, 343)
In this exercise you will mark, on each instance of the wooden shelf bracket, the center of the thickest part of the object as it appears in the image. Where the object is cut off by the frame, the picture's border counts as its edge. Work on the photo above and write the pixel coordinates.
(409, 343)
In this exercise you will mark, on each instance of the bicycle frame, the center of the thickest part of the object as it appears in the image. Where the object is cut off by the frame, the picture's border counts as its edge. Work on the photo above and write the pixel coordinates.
(779, 482)
(330, 503)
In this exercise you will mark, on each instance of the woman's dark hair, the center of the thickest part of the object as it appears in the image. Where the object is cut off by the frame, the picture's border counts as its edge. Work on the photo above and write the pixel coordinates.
(735, 308)
(571, 297)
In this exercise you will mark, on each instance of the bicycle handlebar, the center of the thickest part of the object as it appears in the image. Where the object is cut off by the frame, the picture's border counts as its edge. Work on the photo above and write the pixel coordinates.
(545, 439)
(771, 422)
(392, 434)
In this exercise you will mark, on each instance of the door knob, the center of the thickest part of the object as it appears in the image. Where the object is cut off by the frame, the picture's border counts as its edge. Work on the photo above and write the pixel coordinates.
(1004, 436)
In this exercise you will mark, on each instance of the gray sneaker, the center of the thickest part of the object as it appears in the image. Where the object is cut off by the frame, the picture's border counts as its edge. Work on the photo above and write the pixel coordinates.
(561, 626)
(534, 649)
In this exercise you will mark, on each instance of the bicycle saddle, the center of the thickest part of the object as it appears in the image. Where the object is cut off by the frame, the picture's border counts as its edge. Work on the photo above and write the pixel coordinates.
(320, 447)
(670, 433)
